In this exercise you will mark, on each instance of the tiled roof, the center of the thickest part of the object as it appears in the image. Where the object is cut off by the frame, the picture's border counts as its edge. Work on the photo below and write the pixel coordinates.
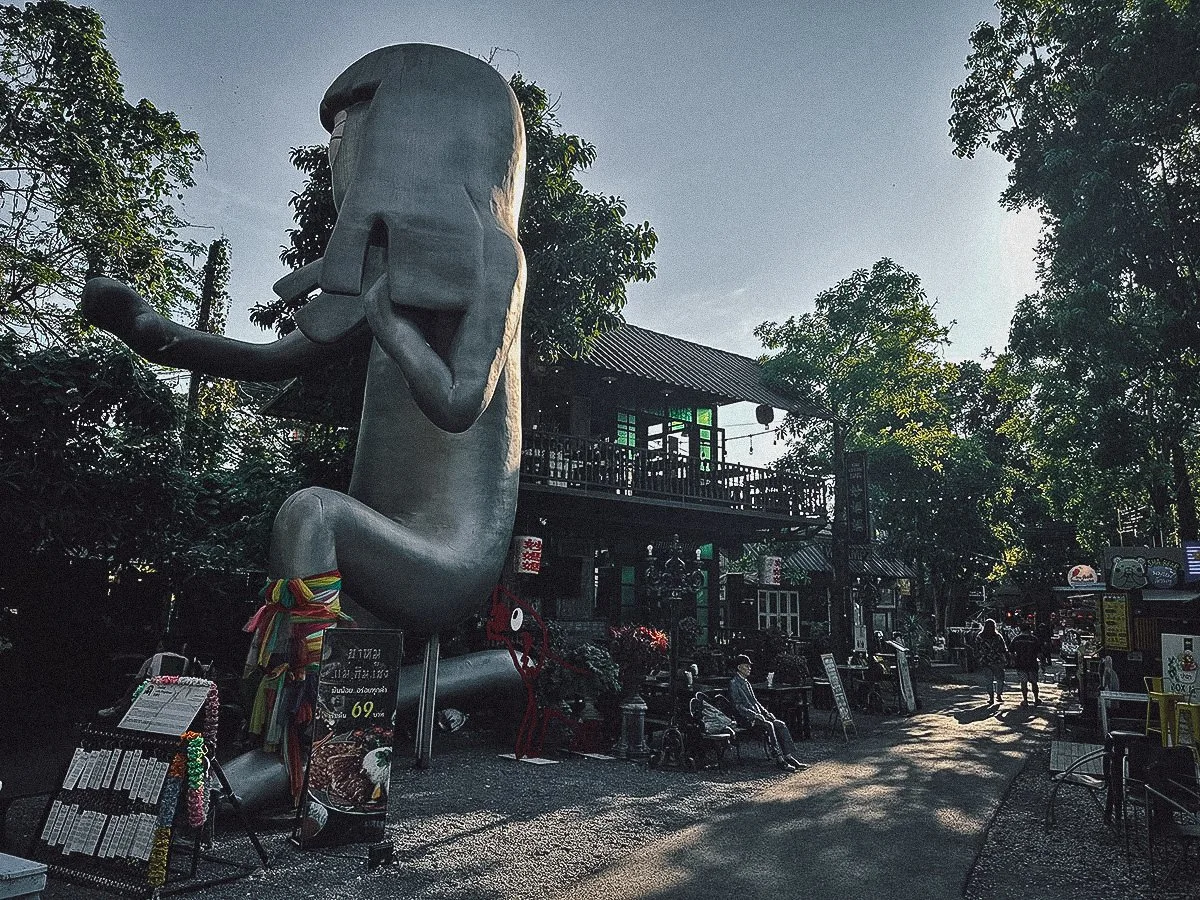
(658, 357)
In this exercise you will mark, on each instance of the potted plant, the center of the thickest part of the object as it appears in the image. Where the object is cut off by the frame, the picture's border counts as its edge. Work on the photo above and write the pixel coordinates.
(791, 668)
(638, 650)
(590, 674)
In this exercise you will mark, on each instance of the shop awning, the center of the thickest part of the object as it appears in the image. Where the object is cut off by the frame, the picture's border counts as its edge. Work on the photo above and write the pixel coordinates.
(1164, 596)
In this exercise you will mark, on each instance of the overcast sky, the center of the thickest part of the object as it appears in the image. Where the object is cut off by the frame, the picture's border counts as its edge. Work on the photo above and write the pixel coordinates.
(774, 147)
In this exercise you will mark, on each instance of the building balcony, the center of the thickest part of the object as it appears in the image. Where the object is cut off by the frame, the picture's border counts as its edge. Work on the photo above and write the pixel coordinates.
(582, 465)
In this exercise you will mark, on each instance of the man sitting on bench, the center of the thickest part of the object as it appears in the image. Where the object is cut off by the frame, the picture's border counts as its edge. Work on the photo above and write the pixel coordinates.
(756, 716)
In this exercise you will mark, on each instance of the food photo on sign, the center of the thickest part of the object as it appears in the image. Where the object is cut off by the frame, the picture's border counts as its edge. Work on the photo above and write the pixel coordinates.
(350, 763)
(1180, 665)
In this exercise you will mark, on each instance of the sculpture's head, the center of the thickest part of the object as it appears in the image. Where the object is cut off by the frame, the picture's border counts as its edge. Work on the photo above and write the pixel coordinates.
(427, 150)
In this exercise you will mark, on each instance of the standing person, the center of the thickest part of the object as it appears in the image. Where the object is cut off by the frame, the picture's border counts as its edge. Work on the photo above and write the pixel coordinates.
(992, 653)
(1042, 633)
(1026, 649)
(754, 715)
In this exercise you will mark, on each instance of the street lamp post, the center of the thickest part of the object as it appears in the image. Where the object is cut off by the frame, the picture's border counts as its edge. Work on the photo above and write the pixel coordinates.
(840, 624)
(672, 577)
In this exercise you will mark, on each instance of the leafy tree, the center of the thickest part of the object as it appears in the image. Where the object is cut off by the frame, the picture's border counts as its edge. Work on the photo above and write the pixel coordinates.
(871, 352)
(89, 454)
(1097, 107)
(86, 178)
(579, 250)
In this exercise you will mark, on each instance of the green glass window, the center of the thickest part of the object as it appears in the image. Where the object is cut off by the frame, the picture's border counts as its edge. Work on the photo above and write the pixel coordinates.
(626, 428)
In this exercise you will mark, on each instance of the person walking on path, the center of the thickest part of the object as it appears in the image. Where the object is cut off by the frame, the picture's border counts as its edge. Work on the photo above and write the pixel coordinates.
(1026, 649)
(1043, 634)
(754, 715)
(992, 653)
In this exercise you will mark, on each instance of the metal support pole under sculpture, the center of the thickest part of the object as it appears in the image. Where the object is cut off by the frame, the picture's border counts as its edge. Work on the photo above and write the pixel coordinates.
(423, 273)
(425, 710)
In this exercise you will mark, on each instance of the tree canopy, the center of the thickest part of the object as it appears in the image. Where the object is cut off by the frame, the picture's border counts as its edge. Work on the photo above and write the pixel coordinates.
(1097, 107)
(872, 352)
(87, 178)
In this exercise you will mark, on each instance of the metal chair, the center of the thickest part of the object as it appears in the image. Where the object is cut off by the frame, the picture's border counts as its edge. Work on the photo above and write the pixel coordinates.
(1164, 703)
(1172, 804)
(1078, 764)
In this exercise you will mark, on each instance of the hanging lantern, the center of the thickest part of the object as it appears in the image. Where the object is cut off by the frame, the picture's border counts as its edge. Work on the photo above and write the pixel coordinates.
(772, 570)
(528, 554)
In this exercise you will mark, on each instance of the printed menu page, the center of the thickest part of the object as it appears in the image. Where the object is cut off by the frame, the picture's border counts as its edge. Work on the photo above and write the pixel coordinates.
(166, 708)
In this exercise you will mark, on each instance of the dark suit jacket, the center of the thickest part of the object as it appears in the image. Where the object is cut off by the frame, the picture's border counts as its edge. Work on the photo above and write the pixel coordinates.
(749, 710)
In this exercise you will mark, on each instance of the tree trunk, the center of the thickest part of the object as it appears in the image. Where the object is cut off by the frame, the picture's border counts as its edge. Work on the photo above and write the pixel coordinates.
(1185, 498)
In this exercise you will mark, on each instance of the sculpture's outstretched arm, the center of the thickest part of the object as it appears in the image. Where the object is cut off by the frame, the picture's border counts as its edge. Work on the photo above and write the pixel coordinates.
(119, 309)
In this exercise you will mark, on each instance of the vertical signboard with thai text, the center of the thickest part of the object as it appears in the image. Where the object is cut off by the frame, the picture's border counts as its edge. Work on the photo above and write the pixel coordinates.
(858, 509)
(840, 701)
(1114, 609)
(345, 796)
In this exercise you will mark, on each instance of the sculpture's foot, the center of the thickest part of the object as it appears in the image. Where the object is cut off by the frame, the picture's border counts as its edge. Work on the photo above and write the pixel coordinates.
(260, 781)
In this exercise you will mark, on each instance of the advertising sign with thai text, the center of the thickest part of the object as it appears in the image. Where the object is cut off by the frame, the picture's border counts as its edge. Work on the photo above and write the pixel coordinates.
(1114, 607)
(345, 796)
(907, 694)
(841, 702)
(858, 508)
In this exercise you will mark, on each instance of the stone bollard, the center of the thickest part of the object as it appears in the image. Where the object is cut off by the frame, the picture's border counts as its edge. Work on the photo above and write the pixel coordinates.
(632, 743)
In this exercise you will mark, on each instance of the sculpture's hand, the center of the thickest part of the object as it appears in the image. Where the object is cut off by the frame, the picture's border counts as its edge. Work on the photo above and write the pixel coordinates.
(120, 310)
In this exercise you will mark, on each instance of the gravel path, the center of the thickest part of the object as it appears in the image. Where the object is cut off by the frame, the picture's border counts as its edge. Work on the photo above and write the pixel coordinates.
(476, 825)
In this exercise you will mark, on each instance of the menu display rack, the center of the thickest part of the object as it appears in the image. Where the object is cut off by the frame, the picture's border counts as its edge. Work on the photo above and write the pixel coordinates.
(130, 797)
(108, 823)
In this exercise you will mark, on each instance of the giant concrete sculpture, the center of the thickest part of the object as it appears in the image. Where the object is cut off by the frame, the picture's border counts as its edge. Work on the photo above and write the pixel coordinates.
(424, 272)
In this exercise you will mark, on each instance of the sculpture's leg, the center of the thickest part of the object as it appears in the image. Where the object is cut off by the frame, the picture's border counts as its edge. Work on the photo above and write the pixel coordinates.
(420, 581)
(260, 779)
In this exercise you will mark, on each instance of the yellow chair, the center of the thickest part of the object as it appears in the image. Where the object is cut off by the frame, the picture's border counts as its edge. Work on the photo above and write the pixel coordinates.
(1188, 713)
(1167, 725)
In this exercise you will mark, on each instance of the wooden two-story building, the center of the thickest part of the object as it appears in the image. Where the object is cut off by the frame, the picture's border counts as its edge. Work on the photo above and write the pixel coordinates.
(624, 449)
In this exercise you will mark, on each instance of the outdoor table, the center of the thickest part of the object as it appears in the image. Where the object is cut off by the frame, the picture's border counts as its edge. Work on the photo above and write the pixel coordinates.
(791, 703)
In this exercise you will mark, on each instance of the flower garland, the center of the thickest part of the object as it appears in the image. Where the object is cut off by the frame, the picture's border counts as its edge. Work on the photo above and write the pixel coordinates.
(168, 804)
(197, 768)
(159, 855)
(192, 760)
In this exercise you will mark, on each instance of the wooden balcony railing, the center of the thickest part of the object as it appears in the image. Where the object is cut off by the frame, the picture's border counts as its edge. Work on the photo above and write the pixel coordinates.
(560, 460)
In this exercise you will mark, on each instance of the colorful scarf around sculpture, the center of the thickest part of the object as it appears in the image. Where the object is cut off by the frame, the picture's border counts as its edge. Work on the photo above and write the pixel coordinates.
(284, 652)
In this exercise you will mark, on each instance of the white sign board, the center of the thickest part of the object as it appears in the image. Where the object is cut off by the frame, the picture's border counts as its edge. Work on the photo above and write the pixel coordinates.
(1180, 662)
(166, 708)
(907, 694)
(841, 704)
